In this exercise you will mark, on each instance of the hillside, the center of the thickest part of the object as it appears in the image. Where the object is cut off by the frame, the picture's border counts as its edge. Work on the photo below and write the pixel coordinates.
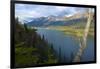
(30, 48)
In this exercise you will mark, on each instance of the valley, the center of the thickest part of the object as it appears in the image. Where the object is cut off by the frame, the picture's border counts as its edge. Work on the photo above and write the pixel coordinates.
(49, 35)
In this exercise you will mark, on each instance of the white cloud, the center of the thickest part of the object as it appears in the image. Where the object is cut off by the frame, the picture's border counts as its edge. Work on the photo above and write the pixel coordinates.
(61, 8)
(24, 11)
(33, 14)
(27, 13)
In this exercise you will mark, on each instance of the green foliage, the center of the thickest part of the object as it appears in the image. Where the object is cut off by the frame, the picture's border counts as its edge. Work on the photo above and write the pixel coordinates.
(30, 48)
(25, 27)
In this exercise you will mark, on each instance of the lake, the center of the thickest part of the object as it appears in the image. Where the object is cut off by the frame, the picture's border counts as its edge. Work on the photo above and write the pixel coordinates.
(67, 45)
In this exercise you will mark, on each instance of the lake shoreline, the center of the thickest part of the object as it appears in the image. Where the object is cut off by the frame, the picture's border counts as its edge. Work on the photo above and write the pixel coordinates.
(68, 30)
(69, 45)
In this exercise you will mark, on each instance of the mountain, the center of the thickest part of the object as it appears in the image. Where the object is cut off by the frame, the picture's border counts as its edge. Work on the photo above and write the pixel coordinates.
(56, 20)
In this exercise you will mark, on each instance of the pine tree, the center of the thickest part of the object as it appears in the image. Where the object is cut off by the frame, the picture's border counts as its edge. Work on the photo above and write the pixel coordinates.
(25, 27)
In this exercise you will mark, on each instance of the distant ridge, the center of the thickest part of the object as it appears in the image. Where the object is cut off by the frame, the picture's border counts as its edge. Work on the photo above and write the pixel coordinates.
(56, 21)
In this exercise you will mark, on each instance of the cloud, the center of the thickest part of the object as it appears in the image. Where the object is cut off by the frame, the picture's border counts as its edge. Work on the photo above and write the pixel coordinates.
(61, 8)
(24, 11)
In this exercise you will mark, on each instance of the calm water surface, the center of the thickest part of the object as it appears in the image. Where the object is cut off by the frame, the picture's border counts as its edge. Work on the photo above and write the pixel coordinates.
(67, 45)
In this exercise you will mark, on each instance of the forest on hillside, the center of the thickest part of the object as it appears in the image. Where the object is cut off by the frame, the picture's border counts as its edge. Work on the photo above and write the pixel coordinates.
(62, 35)
(30, 48)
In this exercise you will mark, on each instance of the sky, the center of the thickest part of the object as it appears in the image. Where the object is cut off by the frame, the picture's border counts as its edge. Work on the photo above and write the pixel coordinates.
(28, 11)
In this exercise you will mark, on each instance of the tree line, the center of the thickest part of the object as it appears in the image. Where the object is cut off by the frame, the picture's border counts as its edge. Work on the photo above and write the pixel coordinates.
(30, 48)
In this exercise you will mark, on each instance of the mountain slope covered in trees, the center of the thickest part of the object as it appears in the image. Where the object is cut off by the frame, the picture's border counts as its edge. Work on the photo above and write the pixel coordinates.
(30, 48)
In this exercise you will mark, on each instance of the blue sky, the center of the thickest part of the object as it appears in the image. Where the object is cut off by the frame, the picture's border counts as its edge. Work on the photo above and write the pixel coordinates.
(25, 11)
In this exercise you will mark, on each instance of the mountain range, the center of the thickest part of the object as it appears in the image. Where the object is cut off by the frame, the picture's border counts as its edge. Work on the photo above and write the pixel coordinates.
(58, 21)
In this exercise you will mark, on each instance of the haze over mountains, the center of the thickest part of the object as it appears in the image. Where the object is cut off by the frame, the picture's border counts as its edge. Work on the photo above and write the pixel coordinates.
(58, 21)
(45, 15)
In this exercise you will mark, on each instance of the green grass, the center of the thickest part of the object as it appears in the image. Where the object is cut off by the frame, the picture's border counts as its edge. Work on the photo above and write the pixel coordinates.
(73, 30)
(29, 56)
(24, 56)
(21, 50)
(25, 59)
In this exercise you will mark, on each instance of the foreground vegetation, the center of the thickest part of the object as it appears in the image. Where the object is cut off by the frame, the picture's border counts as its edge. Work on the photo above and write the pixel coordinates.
(30, 48)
